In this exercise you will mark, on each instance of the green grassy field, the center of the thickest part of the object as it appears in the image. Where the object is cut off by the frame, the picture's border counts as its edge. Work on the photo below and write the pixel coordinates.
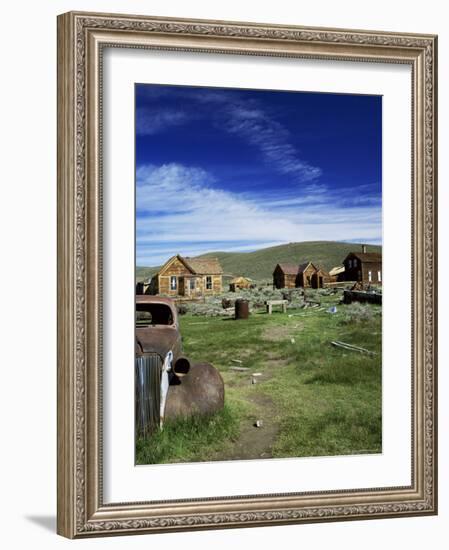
(311, 398)
(259, 265)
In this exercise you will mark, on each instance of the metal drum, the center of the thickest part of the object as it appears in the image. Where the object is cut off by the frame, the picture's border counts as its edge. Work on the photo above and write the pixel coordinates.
(241, 309)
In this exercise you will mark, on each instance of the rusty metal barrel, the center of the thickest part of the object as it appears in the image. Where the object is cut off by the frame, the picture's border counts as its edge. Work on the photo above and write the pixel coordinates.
(241, 309)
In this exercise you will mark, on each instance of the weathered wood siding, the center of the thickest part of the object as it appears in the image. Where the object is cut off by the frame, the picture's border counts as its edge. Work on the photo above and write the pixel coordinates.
(320, 278)
(281, 280)
(357, 270)
(183, 277)
(289, 281)
(175, 269)
(217, 285)
(285, 280)
(336, 278)
(376, 270)
(201, 285)
(305, 278)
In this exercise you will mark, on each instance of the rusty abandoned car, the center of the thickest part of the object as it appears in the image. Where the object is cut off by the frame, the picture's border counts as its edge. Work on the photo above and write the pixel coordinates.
(167, 384)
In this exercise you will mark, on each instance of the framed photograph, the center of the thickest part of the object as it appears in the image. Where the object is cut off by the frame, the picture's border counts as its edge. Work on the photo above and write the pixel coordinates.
(246, 274)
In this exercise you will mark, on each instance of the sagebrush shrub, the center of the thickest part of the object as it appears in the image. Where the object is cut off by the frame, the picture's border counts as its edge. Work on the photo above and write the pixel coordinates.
(357, 313)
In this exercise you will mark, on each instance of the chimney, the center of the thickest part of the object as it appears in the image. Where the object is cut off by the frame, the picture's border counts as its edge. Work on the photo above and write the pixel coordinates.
(364, 248)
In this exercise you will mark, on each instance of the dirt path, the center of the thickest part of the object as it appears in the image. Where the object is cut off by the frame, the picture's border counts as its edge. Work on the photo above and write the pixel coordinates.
(257, 441)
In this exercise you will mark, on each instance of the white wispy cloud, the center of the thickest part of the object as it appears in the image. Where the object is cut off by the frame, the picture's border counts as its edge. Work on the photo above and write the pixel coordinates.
(243, 117)
(182, 209)
(152, 121)
(272, 139)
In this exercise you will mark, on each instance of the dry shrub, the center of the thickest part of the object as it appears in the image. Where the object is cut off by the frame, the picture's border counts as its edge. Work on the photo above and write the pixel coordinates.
(358, 313)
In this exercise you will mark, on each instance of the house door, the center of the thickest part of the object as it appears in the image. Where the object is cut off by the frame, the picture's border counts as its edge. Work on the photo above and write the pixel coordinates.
(182, 286)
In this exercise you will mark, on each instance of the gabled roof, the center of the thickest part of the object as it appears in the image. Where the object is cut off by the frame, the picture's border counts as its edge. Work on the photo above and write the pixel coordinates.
(241, 279)
(367, 257)
(204, 266)
(197, 266)
(289, 269)
(171, 260)
(304, 266)
(294, 269)
(337, 270)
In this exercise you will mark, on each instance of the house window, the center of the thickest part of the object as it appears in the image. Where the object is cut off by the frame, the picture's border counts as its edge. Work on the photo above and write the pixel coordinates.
(350, 264)
(192, 284)
(370, 276)
(379, 276)
(355, 262)
(208, 282)
(173, 282)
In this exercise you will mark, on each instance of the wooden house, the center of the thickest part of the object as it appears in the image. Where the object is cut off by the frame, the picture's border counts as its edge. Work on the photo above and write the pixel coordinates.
(318, 278)
(239, 283)
(364, 267)
(304, 275)
(285, 275)
(188, 277)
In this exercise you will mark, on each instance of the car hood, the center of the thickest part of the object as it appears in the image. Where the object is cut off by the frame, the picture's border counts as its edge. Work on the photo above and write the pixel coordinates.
(156, 339)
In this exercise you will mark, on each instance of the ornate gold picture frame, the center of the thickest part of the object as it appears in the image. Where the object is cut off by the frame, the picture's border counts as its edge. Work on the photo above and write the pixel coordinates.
(82, 40)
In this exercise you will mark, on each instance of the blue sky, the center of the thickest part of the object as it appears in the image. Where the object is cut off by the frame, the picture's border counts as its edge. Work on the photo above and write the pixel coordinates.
(237, 170)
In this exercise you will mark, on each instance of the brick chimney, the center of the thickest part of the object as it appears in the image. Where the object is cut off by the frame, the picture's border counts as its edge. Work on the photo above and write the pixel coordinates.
(364, 248)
